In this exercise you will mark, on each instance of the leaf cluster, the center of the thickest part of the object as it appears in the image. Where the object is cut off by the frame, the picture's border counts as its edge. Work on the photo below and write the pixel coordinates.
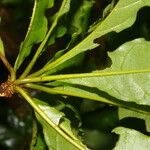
(117, 90)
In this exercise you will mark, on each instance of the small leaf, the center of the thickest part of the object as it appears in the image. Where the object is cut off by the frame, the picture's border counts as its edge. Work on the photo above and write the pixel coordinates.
(108, 8)
(2, 51)
(40, 143)
(60, 30)
(37, 142)
(130, 139)
(36, 31)
(34, 135)
(80, 21)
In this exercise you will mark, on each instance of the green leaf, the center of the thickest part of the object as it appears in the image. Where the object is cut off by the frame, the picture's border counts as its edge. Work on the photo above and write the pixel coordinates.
(37, 142)
(106, 12)
(54, 139)
(40, 144)
(60, 30)
(2, 51)
(130, 139)
(99, 139)
(36, 31)
(80, 21)
(77, 30)
(57, 130)
(76, 24)
(133, 55)
(123, 113)
(108, 8)
(65, 6)
(63, 106)
(126, 11)
(34, 135)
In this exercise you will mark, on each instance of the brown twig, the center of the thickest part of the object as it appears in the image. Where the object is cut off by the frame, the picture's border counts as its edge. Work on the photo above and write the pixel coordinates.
(9, 67)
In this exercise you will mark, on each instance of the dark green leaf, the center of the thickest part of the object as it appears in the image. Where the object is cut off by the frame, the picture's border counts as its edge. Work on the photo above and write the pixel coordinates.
(109, 8)
(36, 31)
(37, 142)
(40, 143)
(60, 30)
(80, 21)
(99, 140)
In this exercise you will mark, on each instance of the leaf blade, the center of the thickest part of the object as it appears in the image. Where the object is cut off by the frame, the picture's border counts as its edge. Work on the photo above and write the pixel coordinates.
(131, 87)
(131, 139)
(127, 12)
(65, 6)
(36, 31)
(71, 140)
(52, 138)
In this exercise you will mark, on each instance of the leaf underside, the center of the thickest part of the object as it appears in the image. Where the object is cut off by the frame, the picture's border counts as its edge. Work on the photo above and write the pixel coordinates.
(132, 55)
(55, 140)
(130, 139)
(126, 11)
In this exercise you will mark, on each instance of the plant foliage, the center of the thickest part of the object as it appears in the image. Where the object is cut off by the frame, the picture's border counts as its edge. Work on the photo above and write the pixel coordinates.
(124, 81)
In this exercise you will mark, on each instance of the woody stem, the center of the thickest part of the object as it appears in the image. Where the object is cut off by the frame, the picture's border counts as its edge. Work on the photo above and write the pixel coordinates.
(9, 67)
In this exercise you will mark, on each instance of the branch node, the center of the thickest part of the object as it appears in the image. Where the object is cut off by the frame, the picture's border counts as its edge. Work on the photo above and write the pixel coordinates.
(7, 89)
